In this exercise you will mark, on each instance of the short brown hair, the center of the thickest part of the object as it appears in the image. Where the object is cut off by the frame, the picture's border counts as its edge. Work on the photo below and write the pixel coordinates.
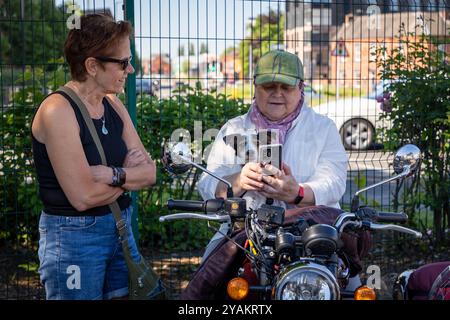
(97, 36)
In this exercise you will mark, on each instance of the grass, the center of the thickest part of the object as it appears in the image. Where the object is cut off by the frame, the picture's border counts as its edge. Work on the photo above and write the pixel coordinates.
(322, 98)
(244, 91)
(343, 92)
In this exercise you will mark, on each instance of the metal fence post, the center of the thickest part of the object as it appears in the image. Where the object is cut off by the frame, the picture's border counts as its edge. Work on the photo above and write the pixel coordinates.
(131, 106)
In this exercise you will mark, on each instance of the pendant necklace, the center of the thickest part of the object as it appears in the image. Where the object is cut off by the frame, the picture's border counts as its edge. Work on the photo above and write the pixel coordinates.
(104, 130)
(103, 119)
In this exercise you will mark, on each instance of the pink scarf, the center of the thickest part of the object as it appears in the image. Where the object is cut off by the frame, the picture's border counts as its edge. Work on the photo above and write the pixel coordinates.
(283, 125)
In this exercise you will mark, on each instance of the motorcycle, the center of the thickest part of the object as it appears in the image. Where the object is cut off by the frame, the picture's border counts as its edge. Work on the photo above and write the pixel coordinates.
(297, 261)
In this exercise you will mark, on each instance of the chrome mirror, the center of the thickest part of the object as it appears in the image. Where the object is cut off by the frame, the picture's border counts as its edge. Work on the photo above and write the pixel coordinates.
(406, 162)
(406, 159)
(177, 157)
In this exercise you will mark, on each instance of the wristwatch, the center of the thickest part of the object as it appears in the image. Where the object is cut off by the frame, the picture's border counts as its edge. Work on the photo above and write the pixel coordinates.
(300, 195)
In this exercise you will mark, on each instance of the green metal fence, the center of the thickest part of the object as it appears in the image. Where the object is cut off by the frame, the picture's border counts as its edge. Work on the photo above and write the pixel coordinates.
(192, 61)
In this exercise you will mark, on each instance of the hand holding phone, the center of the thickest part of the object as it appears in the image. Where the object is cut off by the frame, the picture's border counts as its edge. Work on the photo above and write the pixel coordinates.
(270, 154)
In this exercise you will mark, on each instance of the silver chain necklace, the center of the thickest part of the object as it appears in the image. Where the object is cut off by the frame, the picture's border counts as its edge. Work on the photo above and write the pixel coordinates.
(103, 119)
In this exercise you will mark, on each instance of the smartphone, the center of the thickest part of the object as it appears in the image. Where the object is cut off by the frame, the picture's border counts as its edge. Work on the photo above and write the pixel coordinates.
(270, 154)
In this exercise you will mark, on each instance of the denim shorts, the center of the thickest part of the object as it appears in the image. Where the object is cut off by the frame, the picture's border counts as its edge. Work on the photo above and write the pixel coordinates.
(81, 258)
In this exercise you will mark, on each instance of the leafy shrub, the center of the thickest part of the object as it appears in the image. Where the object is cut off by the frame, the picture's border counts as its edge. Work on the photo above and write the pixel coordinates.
(419, 107)
(157, 120)
(18, 193)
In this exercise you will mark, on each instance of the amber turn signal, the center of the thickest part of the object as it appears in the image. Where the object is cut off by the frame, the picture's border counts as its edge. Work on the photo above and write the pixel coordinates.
(365, 293)
(237, 288)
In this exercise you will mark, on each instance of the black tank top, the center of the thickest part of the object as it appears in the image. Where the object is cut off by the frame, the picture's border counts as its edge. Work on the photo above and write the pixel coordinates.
(54, 200)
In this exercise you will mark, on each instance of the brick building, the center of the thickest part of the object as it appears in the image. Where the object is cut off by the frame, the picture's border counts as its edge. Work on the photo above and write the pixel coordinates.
(354, 65)
(158, 64)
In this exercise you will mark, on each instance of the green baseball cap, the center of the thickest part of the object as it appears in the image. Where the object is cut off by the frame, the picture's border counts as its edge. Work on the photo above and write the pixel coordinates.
(279, 66)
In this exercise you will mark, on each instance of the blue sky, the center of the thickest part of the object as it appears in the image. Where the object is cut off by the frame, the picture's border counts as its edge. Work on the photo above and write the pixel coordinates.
(161, 26)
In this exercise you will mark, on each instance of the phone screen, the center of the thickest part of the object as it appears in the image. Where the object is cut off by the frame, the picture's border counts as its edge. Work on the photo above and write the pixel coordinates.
(270, 154)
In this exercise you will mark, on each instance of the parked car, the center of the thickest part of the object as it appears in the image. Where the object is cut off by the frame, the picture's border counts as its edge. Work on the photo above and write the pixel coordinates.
(382, 87)
(146, 86)
(357, 120)
(179, 85)
(310, 93)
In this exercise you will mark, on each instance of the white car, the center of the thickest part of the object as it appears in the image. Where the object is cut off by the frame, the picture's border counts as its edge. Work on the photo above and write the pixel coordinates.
(357, 120)
(310, 93)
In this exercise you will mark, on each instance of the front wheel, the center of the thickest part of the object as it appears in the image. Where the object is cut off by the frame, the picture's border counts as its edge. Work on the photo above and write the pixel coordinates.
(357, 134)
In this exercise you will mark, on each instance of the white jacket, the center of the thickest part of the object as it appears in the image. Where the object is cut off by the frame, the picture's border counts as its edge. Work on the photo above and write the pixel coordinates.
(312, 149)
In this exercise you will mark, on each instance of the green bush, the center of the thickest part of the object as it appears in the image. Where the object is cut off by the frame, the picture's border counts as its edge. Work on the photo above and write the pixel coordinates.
(18, 193)
(419, 108)
(157, 119)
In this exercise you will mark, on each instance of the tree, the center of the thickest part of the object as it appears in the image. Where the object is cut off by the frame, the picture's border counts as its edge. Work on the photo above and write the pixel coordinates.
(191, 49)
(137, 63)
(204, 48)
(181, 51)
(34, 38)
(268, 30)
(185, 66)
(229, 50)
(418, 107)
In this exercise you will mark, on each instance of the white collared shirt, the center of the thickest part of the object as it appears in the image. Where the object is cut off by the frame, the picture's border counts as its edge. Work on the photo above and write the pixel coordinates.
(312, 149)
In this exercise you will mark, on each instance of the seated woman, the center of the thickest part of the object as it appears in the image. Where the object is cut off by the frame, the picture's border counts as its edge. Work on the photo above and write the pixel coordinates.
(313, 173)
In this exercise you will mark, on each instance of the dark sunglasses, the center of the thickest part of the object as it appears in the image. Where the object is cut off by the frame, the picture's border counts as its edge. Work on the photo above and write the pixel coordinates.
(123, 62)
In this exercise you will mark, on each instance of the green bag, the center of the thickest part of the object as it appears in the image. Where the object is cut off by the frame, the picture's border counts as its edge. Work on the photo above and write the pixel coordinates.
(144, 283)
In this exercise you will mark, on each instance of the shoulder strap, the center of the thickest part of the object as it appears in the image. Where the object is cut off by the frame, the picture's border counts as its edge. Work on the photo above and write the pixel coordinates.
(114, 206)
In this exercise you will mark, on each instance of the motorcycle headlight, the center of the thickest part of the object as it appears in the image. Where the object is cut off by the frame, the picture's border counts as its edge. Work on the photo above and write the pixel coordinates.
(306, 281)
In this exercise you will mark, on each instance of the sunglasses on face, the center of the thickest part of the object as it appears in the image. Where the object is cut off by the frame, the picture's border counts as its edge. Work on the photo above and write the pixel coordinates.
(123, 62)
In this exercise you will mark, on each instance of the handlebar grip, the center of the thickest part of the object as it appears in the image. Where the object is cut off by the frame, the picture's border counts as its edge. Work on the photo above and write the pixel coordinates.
(188, 205)
(392, 217)
(212, 205)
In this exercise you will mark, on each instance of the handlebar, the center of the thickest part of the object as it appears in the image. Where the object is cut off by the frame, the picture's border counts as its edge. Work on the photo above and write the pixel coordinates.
(189, 205)
(393, 227)
(199, 216)
(392, 217)
(212, 205)
(367, 213)
(366, 218)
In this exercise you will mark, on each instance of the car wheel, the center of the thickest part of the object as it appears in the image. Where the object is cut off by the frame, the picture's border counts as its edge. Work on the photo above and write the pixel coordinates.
(357, 134)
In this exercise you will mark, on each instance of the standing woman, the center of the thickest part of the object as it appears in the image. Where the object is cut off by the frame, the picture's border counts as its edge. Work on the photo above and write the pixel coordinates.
(79, 249)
